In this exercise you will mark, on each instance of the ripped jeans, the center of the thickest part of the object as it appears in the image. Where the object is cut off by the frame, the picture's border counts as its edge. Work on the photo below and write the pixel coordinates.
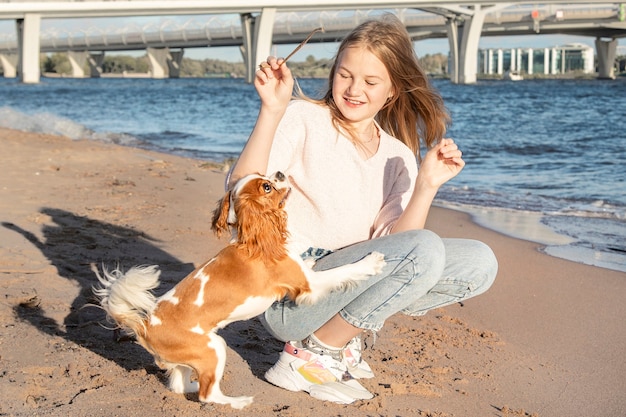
(423, 272)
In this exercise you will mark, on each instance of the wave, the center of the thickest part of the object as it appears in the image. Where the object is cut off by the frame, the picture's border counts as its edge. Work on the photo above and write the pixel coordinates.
(49, 123)
(572, 206)
(169, 141)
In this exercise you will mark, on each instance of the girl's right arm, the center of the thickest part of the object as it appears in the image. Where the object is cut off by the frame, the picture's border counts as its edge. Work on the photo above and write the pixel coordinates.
(274, 84)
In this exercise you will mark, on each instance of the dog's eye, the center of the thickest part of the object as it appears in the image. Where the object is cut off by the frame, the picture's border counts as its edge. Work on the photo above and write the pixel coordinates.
(267, 187)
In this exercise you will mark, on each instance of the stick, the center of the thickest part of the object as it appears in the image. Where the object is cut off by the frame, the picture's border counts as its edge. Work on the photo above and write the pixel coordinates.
(308, 38)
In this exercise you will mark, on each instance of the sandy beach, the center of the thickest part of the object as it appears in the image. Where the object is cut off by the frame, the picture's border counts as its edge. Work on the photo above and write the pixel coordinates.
(547, 340)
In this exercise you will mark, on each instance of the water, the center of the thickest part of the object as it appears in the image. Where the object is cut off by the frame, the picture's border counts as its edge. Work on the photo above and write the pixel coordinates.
(545, 159)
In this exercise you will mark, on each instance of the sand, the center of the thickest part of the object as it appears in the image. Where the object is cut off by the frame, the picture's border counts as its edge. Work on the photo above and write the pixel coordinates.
(548, 339)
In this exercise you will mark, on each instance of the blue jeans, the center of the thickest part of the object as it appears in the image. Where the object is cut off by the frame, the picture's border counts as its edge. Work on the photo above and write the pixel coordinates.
(423, 272)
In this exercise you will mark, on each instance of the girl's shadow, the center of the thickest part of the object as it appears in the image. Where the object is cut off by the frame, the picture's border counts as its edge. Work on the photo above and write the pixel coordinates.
(73, 244)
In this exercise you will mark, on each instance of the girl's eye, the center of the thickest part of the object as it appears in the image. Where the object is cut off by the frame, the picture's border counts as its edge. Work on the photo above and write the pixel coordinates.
(370, 83)
(267, 188)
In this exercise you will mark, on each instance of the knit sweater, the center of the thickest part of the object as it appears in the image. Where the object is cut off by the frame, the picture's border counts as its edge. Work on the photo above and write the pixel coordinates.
(337, 197)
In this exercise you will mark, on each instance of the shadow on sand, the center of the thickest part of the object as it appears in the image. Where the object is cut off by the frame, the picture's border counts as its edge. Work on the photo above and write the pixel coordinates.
(73, 244)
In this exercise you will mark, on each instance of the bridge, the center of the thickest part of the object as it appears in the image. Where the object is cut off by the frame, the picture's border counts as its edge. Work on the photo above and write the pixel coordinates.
(264, 23)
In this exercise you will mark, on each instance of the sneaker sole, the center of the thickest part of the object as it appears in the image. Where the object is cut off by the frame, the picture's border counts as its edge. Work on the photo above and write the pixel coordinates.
(329, 392)
(283, 376)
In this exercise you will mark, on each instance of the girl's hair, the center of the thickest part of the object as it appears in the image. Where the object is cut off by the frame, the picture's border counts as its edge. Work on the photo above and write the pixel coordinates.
(415, 113)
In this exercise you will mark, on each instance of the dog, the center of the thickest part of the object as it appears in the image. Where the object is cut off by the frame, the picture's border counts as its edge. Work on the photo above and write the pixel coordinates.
(255, 269)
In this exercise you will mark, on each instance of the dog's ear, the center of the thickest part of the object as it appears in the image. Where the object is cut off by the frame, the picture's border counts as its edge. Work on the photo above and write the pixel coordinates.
(220, 215)
(262, 231)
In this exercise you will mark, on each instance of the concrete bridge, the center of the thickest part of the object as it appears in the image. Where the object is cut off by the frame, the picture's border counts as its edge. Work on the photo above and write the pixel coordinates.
(263, 24)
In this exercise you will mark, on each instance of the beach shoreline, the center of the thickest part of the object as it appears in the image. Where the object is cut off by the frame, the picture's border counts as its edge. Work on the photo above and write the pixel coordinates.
(529, 226)
(545, 340)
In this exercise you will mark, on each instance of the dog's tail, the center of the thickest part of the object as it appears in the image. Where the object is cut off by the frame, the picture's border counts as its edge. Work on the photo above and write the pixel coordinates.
(127, 297)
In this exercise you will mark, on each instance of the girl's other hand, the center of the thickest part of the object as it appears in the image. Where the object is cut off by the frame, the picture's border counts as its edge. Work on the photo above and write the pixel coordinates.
(441, 163)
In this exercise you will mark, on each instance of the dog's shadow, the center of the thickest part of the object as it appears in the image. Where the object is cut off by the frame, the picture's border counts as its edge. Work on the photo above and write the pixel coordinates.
(72, 244)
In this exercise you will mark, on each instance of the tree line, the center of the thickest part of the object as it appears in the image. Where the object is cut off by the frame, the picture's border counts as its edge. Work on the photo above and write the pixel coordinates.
(59, 64)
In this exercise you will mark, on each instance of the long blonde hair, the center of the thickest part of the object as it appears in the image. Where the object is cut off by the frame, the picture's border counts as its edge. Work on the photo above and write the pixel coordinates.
(415, 113)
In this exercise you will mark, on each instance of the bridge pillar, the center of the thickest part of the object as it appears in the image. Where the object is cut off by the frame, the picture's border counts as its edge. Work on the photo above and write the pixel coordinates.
(453, 41)
(606, 51)
(553, 61)
(158, 61)
(9, 65)
(77, 61)
(257, 34)
(173, 63)
(95, 61)
(162, 59)
(463, 37)
(28, 48)
(489, 62)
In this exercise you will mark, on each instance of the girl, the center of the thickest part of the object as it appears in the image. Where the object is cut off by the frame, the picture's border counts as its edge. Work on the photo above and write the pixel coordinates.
(352, 161)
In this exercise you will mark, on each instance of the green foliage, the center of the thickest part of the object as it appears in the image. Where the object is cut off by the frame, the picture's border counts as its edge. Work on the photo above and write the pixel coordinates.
(434, 64)
(311, 68)
(216, 68)
(191, 68)
(119, 64)
(57, 63)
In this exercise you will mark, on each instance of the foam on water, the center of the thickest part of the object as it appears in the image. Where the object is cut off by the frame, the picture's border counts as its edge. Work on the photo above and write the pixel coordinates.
(597, 241)
(50, 123)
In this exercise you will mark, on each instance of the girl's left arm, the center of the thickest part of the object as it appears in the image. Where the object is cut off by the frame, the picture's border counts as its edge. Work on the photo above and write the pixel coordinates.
(440, 164)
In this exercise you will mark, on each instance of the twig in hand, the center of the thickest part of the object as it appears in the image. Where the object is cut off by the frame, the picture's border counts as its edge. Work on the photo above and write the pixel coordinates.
(308, 38)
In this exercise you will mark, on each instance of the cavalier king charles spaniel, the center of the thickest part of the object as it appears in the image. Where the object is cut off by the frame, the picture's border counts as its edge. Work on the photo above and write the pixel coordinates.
(256, 269)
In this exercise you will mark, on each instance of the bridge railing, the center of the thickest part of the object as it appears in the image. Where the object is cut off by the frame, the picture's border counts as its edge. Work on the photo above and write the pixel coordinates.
(217, 31)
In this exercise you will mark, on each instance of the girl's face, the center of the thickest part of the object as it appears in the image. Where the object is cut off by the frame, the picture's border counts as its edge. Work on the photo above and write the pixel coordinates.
(361, 85)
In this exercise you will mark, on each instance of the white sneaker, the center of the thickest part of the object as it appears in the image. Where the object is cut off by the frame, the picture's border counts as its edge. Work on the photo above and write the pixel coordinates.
(352, 358)
(322, 376)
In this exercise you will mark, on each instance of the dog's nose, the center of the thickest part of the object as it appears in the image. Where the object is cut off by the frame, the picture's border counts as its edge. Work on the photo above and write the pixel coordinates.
(279, 180)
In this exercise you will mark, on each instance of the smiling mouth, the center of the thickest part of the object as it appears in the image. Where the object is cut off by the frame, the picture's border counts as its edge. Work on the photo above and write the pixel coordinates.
(353, 101)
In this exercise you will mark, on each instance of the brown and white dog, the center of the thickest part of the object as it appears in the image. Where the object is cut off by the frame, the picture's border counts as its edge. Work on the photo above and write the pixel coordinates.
(241, 282)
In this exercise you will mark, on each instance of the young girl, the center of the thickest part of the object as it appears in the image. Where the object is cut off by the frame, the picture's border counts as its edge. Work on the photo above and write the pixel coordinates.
(351, 159)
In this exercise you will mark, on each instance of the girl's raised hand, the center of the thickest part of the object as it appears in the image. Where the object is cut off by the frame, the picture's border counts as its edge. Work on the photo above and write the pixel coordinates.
(274, 83)
(441, 163)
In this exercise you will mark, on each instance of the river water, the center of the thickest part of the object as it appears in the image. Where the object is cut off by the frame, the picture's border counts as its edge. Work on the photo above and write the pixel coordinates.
(546, 159)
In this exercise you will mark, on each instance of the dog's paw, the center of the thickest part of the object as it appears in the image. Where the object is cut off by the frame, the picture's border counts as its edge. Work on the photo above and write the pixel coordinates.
(235, 402)
(240, 402)
(376, 262)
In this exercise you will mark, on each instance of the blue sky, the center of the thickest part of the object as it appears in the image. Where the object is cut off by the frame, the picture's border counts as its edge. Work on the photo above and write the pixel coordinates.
(318, 50)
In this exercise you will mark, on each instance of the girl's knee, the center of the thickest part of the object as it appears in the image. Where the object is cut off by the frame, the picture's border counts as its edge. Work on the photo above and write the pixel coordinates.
(485, 266)
(470, 261)
(422, 256)
(429, 248)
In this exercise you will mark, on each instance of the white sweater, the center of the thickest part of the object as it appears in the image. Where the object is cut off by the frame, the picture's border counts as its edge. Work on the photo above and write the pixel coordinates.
(337, 198)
